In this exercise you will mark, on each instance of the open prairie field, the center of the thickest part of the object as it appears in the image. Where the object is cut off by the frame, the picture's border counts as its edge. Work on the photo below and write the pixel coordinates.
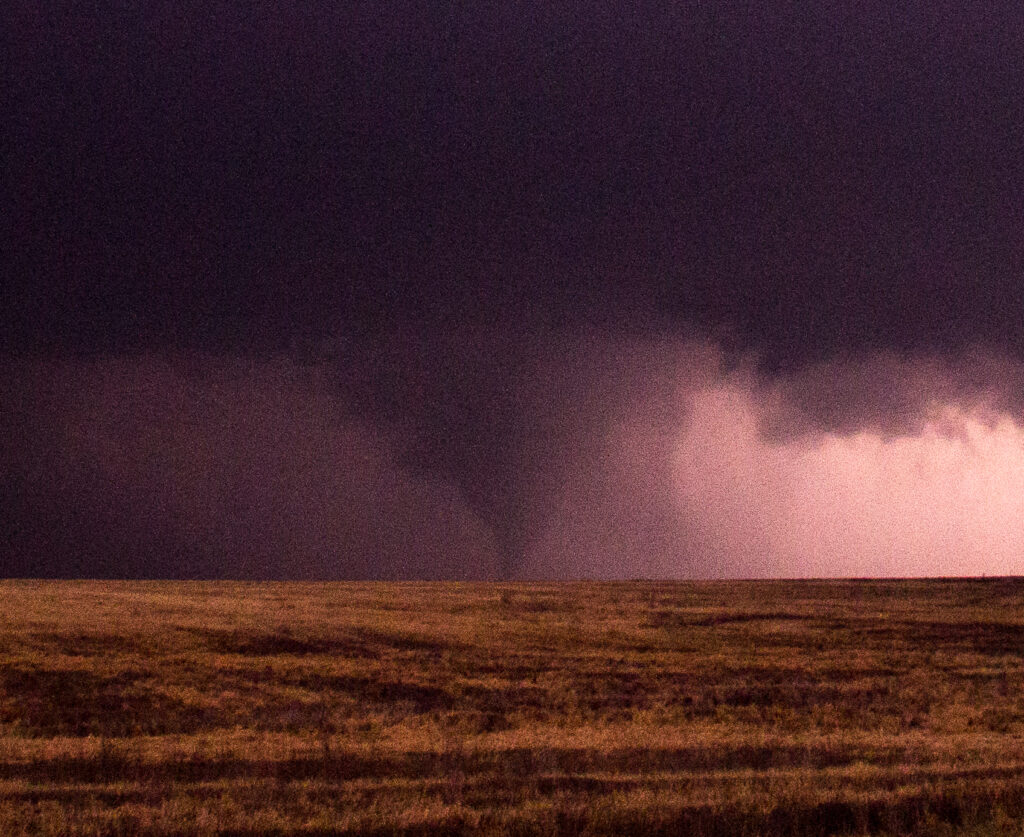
(421, 708)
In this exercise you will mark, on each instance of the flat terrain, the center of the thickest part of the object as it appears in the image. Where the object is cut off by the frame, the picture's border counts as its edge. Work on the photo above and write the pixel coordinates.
(685, 708)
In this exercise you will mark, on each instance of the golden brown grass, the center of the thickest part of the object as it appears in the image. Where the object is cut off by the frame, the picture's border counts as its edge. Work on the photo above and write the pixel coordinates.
(691, 708)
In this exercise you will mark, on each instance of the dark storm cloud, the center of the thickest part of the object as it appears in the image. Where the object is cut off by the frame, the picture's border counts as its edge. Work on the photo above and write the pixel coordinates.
(500, 232)
(801, 178)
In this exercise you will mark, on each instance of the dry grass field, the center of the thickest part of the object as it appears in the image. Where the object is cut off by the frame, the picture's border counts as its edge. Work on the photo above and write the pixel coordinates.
(629, 708)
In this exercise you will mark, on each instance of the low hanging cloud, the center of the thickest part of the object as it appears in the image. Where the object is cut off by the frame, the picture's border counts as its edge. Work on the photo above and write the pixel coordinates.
(478, 454)
(892, 394)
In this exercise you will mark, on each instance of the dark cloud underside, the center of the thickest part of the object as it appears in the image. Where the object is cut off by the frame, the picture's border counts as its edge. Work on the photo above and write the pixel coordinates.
(805, 178)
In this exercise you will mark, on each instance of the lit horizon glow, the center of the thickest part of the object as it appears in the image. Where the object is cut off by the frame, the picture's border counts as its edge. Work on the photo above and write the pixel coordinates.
(948, 500)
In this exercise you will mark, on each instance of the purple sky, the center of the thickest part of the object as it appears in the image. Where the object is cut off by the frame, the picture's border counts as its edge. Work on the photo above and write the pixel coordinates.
(338, 290)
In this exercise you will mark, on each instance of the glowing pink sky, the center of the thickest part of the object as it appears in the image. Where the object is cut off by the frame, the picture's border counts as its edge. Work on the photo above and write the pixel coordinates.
(933, 503)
